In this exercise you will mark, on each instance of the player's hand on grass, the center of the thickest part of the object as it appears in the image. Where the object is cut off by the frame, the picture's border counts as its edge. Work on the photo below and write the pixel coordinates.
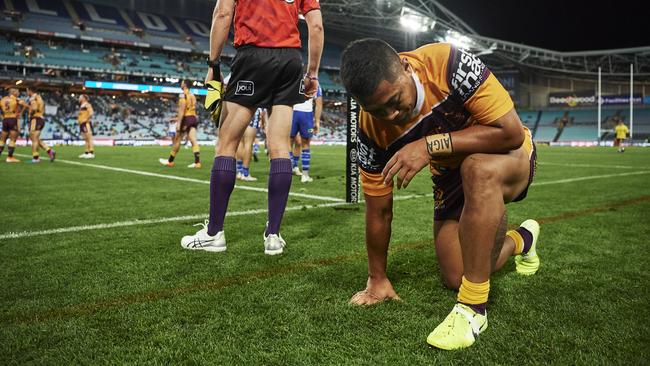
(406, 163)
(376, 291)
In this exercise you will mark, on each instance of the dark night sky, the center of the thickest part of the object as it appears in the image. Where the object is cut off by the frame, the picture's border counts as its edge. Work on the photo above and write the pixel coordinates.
(568, 25)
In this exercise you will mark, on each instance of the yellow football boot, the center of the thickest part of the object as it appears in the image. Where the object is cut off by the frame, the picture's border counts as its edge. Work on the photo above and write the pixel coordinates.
(527, 264)
(460, 328)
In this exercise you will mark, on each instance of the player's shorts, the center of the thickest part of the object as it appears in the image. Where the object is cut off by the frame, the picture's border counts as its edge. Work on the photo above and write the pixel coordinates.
(9, 124)
(617, 142)
(303, 122)
(86, 127)
(188, 122)
(36, 124)
(448, 194)
(264, 77)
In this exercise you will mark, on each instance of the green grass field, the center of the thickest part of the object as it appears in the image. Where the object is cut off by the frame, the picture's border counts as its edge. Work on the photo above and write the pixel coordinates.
(91, 270)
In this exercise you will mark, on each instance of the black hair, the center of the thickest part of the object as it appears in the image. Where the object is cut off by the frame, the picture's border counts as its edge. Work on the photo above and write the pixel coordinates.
(365, 63)
(186, 83)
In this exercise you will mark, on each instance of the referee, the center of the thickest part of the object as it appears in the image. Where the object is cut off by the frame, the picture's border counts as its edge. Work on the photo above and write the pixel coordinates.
(266, 73)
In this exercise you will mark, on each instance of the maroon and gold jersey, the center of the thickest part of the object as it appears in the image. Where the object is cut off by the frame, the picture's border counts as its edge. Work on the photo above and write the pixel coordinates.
(36, 106)
(85, 111)
(270, 23)
(190, 103)
(9, 107)
(455, 90)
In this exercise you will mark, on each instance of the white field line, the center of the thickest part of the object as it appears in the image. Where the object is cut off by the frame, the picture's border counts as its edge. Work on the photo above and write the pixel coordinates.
(185, 179)
(589, 177)
(592, 165)
(71, 229)
(24, 234)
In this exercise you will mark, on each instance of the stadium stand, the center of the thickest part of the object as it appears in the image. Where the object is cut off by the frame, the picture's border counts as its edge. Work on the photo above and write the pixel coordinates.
(82, 41)
(115, 41)
(131, 117)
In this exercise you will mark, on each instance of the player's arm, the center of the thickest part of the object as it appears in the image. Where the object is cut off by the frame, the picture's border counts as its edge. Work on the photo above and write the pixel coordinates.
(221, 21)
(181, 110)
(314, 21)
(379, 217)
(499, 136)
(318, 111)
(91, 111)
(22, 106)
(33, 107)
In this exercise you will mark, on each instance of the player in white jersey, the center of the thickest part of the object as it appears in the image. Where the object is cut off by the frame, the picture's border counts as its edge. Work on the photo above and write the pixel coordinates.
(245, 149)
(306, 121)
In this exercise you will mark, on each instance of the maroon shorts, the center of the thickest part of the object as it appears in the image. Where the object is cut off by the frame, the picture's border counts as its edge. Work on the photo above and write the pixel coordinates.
(617, 142)
(449, 197)
(189, 122)
(9, 124)
(86, 127)
(36, 124)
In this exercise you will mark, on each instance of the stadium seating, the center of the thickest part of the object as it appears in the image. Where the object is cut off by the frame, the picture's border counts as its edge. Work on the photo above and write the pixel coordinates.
(106, 27)
(583, 125)
(146, 118)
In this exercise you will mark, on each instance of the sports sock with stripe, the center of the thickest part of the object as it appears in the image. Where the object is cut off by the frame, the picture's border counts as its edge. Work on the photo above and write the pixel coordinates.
(306, 159)
(240, 165)
(294, 160)
(523, 240)
(279, 186)
(474, 295)
(222, 182)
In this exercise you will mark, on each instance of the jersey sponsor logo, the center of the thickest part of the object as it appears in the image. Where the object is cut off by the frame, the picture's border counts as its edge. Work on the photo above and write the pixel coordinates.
(301, 88)
(245, 87)
(467, 74)
(369, 158)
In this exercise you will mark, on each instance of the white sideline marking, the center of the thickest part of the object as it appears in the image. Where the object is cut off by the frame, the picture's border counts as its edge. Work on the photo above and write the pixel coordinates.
(592, 165)
(24, 234)
(185, 179)
(589, 177)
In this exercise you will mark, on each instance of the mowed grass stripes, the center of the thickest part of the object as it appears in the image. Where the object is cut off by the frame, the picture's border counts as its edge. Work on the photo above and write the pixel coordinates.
(132, 295)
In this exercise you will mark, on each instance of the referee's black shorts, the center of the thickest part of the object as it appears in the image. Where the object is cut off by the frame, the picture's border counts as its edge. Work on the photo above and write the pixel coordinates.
(264, 77)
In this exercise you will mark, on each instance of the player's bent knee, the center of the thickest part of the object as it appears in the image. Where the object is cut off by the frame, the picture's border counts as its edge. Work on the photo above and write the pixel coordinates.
(476, 172)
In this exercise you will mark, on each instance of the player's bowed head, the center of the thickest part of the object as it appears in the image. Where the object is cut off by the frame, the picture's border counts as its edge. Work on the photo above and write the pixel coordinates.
(373, 73)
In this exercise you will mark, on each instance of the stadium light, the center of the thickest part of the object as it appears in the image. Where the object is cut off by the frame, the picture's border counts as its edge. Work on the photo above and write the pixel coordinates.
(415, 22)
(458, 40)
